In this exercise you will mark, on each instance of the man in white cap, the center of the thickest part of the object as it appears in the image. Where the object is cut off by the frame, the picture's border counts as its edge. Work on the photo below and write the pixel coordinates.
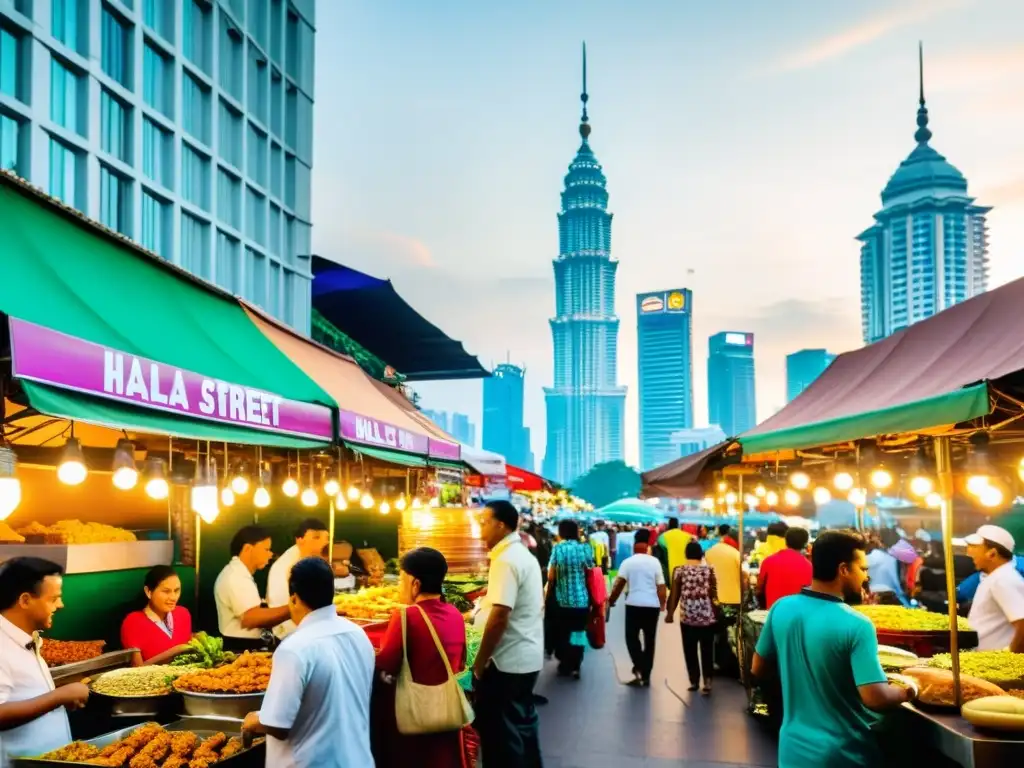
(997, 614)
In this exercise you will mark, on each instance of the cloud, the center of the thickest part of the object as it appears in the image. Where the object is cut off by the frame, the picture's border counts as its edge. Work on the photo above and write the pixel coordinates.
(974, 68)
(373, 249)
(1007, 193)
(863, 33)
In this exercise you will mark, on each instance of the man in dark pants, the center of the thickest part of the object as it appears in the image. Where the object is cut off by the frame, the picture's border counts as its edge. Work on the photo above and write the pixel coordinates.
(645, 601)
(512, 647)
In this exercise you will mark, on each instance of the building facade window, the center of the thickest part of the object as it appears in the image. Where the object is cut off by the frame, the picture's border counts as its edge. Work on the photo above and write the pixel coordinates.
(257, 21)
(229, 268)
(255, 216)
(195, 245)
(10, 65)
(195, 108)
(256, 149)
(195, 177)
(158, 15)
(256, 277)
(66, 89)
(276, 103)
(9, 137)
(231, 62)
(157, 86)
(115, 57)
(115, 201)
(257, 83)
(64, 173)
(230, 128)
(273, 305)
(275, 230)
(155, 224)
(289, 180)
(276, 171)
(229, 199)
(157, 153)
(196, 38)
(115, 127)
(65, 23)
(276, 31)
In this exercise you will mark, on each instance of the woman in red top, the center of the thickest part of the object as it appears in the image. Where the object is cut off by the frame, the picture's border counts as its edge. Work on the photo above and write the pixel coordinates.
(422, 572)
(163, 628)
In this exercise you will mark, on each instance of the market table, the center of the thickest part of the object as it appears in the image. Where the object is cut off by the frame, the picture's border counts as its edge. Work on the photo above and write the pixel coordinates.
(958, 740)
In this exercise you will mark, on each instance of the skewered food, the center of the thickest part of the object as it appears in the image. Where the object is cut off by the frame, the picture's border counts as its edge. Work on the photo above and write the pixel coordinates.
(896, 618)
(369, 603)
(249, 673)
(58, 652)
(138, 681)
(1003, 713)
(937, 686)
(995, 666)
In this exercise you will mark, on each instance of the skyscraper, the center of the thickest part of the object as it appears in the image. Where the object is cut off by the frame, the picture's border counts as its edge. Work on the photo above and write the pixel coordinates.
(585, 406)
(183, 124)
(503, 429)
(928, 247)
(803, 367)
(665, 372)
(462, 429)
(732, 403)
(440, 418)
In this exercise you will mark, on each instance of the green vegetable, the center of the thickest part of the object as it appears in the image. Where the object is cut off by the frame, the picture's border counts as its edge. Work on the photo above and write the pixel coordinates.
(204, 651)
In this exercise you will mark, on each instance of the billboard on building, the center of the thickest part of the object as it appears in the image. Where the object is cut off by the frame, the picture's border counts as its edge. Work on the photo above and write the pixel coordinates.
(674, 301)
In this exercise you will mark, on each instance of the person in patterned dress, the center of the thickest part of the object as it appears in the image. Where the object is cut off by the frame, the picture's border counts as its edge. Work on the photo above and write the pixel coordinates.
(567, 582)
(695, 592)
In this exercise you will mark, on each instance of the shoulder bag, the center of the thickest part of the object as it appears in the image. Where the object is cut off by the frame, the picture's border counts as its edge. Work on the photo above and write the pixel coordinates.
(423, 709)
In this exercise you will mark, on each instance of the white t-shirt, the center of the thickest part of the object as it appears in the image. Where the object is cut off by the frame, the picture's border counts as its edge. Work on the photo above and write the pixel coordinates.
(643, 575)
(320, 690)
(277, 586)
(998, 603)
(235, 592)
(23, 676)
(514, 581)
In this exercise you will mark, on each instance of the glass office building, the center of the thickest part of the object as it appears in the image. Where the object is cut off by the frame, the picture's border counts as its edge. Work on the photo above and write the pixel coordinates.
(503, 429)
(803, 367)
(185, 125)
(732, 403)
(664, 372)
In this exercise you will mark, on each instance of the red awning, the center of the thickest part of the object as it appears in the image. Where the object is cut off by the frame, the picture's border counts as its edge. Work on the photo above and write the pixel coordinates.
(521, 480)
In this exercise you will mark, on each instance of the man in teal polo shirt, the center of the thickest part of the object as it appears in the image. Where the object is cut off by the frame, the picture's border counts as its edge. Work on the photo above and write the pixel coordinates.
(826, 655)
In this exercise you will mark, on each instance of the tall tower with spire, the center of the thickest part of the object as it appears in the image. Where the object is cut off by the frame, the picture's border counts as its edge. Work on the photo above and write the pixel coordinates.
(928, 247)
(585, 406)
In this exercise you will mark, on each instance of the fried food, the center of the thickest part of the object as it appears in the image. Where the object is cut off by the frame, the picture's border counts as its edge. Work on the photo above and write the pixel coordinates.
(75, 752)
(249, 673)
(233, 747)
(153, 753)
(208, 752)
(77, 532)
(58, 652)
(137, 681)
(995, 666)
(896, 618)
(937, 686)
(150, 746)
(369, 603)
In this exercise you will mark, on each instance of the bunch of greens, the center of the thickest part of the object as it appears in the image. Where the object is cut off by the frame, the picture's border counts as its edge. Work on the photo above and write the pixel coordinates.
(453, 595)
(473, 638)
(204, 651)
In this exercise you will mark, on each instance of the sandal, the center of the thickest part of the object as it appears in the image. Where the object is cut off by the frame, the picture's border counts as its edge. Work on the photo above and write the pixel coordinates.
(693, 688)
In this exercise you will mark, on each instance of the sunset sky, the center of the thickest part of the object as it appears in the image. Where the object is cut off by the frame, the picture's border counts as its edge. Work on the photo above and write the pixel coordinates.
(746, 141)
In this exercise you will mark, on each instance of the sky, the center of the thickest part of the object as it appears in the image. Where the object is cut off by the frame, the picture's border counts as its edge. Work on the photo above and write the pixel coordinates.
(746, 141)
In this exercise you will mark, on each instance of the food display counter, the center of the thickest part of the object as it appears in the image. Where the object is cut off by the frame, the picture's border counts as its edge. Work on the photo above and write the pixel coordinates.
(957, 740)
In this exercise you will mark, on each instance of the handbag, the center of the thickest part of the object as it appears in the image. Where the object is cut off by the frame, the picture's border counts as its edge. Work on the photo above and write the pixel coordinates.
(423, 709)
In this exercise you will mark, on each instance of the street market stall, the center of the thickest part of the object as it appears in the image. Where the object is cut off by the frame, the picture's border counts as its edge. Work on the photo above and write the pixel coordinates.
(934, 410)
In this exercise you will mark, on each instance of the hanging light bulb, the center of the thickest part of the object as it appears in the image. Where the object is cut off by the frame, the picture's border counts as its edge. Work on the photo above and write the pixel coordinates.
(261, 497)
(71, 470)
(227, 496)
(126, 475)
(340, 502)
(977, 467)
(791, 497)
(990, 496)
(843, 481)
(858, 497)
(800, 480)
(10, 485)
(385, 507)
(366, 502)
(933, 500)
(760, 491)
(309, 498)
(730, 498)
(240, 482)
(822, 495)
(400, 503)
(722, 486)
(331, 485)
(290, 487)
(921, 486)
(771, 498)
(204, 491)
(881, 478)
(921, 483)
(353, 493)
(155, 477)
(977, 484)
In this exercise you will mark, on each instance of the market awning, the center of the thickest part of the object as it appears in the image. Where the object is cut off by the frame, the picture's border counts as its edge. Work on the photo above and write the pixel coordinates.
(442, 445)
(370, 311)
(519, 479)
(681, 478)
(366, 417)
(485, 463)
(391, 457)
(933, 374)
(95, 317)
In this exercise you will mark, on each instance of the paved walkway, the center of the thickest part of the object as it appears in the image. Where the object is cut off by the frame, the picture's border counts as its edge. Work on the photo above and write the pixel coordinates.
(600, 723)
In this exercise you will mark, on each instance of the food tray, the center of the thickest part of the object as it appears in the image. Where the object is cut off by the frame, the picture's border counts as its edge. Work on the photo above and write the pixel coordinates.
(73, 673)
(926, 643)
(137, 706)
(230, 705)
(203, 727)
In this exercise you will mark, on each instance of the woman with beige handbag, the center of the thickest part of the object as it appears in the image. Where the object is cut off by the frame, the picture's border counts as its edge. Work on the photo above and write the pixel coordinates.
(424, 712)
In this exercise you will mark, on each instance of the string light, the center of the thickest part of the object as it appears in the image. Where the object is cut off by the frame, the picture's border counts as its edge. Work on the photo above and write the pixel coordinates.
(791, 497)
(155, 476)
(858, 497)
(400, 503)
(990, 496)
(760, 491)
(822, 495)
(353, 493)
(385, 507)
(309, 498)
(261, 497)
(227, 496)
(366, 502)
(340, 502)
(921, 486)
(843, 481)
(771, 498)
(290, 487)
(126, 475)
(730, 498)
(71, 470)
(881, 478)
(800, 480)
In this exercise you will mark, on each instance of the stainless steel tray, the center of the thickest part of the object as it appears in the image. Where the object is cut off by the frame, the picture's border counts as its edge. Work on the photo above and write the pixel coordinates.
(73, 673)
(138, 706)
(231, 705)
(201, 726)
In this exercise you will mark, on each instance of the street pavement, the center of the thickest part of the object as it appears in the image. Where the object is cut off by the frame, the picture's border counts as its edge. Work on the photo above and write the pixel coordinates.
(598, 722)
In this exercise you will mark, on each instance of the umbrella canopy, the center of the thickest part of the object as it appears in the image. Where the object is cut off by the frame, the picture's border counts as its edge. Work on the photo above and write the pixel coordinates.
(629, 511)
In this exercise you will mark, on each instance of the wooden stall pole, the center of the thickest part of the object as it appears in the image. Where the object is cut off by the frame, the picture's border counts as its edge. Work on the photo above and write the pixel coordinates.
(944, 471)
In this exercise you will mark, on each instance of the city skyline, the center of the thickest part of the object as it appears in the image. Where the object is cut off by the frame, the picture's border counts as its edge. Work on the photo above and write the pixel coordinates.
(732, 382)
(752, 155)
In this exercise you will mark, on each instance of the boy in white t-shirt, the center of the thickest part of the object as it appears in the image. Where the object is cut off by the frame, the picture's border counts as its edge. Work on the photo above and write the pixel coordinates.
(642, 576)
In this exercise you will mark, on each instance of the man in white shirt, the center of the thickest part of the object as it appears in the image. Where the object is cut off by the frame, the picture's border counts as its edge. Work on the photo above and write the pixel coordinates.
(997, 613)
(311, 537)
(643, 578)
(33, 716)
(511, 650)
(316, 711)
(241, 615)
